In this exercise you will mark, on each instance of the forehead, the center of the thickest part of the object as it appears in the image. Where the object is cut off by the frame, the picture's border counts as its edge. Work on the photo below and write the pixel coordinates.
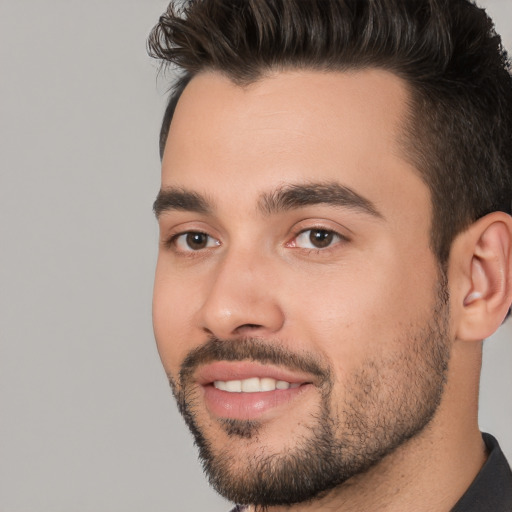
(292, 127)
(300, 103)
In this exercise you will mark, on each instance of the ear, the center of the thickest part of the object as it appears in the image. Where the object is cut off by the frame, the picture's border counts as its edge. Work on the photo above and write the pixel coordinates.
(480, 270)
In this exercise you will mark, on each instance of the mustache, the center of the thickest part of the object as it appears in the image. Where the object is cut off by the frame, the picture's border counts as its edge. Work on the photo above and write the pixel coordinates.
(252, 349)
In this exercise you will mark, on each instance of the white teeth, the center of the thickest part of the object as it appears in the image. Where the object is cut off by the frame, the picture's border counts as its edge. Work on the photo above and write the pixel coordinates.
(235, 386)
(254, 385)
(219, 384)
(267, 384)
(251, 385)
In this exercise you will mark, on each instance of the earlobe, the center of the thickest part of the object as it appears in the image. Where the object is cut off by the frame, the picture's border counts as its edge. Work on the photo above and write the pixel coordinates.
(485, 250)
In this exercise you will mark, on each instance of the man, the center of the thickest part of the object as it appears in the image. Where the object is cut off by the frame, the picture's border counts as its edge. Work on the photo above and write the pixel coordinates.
(336, 242)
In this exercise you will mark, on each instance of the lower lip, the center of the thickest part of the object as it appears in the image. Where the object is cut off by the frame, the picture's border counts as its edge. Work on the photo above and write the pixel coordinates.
(248, 406)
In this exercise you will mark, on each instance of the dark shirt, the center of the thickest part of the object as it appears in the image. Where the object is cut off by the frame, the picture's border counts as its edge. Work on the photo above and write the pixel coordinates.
(491, 490)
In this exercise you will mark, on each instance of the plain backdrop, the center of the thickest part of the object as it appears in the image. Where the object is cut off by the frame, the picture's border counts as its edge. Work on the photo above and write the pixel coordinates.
(87, 422)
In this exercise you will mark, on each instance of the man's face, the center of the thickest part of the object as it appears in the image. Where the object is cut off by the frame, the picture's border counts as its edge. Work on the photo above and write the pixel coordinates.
(298, 309)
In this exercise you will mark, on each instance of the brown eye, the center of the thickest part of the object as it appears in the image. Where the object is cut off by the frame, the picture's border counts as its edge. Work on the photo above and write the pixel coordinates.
(321, 238)
(194, 241)
(197, 241)
(317, 239)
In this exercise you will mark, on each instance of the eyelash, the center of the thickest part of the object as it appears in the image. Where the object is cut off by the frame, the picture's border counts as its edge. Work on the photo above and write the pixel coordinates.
(336, 239)
(172, 242)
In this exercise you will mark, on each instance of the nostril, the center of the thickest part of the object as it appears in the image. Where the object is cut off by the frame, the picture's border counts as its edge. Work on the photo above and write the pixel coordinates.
(247, 327)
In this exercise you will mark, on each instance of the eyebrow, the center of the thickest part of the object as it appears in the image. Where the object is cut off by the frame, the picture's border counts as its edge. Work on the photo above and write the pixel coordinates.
(179, 199)
(289, 197)
(292, 197)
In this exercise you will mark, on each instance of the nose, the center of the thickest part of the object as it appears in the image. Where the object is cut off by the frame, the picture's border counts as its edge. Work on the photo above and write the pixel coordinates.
(241, 298)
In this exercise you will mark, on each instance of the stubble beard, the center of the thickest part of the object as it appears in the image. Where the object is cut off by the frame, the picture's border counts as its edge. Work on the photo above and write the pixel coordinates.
(387, 403)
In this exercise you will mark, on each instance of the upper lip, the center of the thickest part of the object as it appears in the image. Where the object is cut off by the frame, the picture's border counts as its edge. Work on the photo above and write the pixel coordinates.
(241, 370)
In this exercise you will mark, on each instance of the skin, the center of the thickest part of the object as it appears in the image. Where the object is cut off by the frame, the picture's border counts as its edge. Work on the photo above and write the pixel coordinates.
(356, 300)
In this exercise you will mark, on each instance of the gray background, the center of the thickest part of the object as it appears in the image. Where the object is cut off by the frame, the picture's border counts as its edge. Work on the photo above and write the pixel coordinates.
(87, 422)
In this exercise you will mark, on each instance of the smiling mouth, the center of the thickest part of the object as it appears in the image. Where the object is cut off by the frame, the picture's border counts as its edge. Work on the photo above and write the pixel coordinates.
(251, 390)
(254, 385)
(251, 398)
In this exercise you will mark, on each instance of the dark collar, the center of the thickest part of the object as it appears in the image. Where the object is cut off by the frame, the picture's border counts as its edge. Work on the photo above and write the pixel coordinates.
(491, 490)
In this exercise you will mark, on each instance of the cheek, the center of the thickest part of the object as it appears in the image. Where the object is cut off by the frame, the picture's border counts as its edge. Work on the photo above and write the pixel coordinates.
(362, 306)
(172, 325)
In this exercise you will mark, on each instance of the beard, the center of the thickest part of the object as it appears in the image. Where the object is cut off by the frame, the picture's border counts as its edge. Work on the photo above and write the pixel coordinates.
(387, 401)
